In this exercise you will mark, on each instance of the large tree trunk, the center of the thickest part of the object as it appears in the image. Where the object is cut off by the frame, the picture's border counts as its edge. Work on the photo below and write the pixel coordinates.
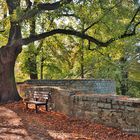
(8, 90)
(8, 55)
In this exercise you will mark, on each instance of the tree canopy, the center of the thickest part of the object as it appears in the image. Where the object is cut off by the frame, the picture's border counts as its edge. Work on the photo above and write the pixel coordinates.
(121, 17)
(102, 31)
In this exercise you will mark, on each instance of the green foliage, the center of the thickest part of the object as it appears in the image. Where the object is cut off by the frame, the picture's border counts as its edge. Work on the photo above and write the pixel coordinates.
(21, 73)
(61, 56)
(134, 90)
(29, 61)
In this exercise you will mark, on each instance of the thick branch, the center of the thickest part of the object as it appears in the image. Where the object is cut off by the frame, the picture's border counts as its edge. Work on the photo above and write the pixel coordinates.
(125, 34)
(42, 7)
(99, 43)
(29, 4)
(12, 5)
(15, 29)
(62, 31)
(52, 6)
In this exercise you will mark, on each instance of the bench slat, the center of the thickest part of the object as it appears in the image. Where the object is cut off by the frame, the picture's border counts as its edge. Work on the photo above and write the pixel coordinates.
(36, 102)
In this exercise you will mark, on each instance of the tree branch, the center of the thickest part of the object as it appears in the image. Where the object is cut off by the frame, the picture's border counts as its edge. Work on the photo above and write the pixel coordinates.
(82, 35)
(124, 35)
(29, 4)
(52, 6)
(106, 12)
(28, 40)
(42, 7)
(132, 20)
(15, 29)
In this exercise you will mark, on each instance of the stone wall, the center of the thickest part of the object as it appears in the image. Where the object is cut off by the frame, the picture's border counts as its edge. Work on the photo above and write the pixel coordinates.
(85, 85)
(116, 111)
(111, 110)
(75, 98)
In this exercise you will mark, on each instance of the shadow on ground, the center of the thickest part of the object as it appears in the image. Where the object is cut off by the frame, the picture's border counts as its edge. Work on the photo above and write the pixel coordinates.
(11, 127)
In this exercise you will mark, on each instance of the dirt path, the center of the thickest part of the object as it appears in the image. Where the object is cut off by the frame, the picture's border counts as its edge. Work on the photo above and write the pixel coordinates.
(18, 123)
(11, 127)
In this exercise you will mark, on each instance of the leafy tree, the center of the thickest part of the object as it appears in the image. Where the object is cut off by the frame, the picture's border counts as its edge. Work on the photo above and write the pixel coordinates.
(115, 26)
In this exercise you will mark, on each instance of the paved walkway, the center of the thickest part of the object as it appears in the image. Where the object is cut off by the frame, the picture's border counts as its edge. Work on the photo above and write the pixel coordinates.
(11, 127)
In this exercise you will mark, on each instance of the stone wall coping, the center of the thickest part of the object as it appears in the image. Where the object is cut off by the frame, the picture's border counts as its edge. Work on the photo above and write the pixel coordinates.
(93, 86)
(38, 81)
(114, 98)
(59, 88)
(45, 87)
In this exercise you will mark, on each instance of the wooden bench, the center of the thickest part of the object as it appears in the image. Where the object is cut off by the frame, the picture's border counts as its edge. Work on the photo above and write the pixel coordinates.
(38, 99)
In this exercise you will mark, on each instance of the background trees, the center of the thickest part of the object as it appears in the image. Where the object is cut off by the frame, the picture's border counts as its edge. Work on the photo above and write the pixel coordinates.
(69, 57)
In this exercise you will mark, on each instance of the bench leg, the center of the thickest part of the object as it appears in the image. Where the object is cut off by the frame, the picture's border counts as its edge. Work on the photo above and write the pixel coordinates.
(46, 106)
(36, 110)
(26, 105)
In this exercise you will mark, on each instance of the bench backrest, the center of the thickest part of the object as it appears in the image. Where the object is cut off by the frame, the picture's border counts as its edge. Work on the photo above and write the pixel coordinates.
(38, 95)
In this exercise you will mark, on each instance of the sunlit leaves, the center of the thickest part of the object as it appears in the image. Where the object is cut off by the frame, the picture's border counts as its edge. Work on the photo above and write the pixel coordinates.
(4, 40)
(102, 19)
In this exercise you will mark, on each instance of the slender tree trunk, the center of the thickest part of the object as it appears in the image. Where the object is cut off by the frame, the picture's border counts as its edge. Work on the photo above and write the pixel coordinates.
(41, 69)
(32, 66)
(8, 90)
(124, 77)
(41, 62)
(82, 59)
(124, 83)
(82, 56)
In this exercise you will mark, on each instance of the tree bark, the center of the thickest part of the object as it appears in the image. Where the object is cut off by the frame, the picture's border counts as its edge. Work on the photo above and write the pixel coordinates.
(124, 77)
(82, 59)
(41, 69)
(8, 56)
(82, 55)
(124, 83)
(8, 90)
(32, 66)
